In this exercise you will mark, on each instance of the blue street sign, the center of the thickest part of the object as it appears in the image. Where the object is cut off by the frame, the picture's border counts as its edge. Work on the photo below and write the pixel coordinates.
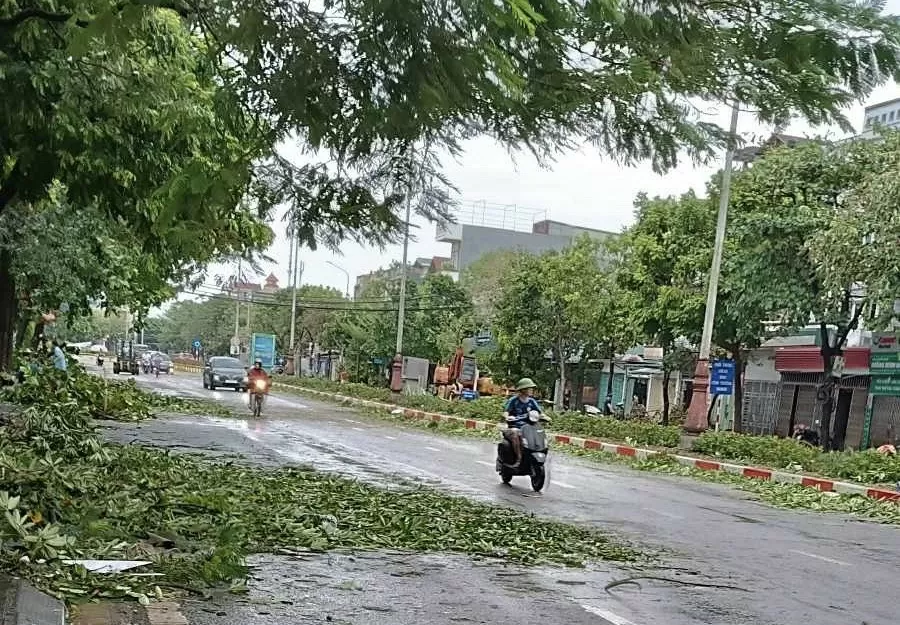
(197, 343)
(721, 377)
(262, 347)
(468, 394)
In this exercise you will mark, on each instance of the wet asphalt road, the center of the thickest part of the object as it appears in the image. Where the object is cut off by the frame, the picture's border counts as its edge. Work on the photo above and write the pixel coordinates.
(796, 568)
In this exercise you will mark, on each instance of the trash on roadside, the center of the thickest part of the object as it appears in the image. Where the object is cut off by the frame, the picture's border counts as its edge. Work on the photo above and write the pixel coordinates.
(108, 566)
(397, 411)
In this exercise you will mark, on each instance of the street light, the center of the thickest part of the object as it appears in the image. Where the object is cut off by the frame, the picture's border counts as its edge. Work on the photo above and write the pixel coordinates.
(345, 272)
(697, 420)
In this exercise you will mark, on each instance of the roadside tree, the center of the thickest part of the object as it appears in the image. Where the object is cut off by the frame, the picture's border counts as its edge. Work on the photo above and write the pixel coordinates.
(165, 116)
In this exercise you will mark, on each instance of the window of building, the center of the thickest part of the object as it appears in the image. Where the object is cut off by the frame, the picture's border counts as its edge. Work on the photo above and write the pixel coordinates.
(891, 116)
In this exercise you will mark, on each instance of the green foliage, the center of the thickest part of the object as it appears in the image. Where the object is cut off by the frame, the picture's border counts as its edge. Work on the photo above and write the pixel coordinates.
(628, 431)
(858, 242)
(665, 256)
(484, 280)
(867, 467)
(438, 316)
(791, 496)
(96, 397)
(561, 303)
(212, 320)
(140, 113)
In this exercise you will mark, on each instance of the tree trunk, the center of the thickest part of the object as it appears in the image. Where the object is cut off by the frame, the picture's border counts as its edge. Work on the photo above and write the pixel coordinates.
(826, 388)
(667, 375)
(7, 310)
(558, 398)
(738, 408)
(608, 402)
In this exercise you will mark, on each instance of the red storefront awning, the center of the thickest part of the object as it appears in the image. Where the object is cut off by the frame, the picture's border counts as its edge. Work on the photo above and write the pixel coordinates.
(809, 359)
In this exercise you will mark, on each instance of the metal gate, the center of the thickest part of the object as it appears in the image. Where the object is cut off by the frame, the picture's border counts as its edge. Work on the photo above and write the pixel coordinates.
(760, 410)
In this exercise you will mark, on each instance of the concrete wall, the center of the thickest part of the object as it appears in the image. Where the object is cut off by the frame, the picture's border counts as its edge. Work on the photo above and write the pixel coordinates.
(761, 365)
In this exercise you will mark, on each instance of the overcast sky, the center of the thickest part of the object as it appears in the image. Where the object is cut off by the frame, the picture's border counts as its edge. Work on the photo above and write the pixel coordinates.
(582, 188)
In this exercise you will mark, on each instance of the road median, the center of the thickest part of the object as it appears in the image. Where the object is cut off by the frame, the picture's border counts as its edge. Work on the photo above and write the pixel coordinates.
(617, 448)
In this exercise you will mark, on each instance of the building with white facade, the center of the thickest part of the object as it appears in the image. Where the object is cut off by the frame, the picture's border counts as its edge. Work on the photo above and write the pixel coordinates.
(885, 114)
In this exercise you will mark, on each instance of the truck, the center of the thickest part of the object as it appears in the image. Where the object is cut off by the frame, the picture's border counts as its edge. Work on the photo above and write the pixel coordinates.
(127, 360)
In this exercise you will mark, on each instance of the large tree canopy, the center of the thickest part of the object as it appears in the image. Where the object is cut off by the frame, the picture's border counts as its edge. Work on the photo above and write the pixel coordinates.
(163, 116)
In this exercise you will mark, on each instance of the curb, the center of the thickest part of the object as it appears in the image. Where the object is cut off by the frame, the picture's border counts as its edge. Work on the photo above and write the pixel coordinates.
(114, 613)
(22, 604)
(821, 484)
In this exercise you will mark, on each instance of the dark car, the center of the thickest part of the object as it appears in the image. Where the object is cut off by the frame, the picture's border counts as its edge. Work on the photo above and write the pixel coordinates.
(162, 362)
(224, 371)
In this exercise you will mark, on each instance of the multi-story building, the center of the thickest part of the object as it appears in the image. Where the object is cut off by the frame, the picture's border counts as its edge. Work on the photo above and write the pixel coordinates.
(486, 228)
(886, 114)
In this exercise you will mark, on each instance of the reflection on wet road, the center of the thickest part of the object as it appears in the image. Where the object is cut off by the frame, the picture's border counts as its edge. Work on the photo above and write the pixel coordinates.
(799, 567)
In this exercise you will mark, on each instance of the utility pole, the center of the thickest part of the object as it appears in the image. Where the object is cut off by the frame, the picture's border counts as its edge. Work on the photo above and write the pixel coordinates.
(696, 420)
(236, 341)
(295, 277)
(249, 310)
(401, 307)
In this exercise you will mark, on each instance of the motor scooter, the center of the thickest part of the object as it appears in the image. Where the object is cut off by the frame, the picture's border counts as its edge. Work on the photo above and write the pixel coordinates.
(534, 453)
(257, 397)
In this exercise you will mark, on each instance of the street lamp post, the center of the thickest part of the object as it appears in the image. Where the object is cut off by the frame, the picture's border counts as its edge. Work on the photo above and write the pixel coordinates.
(345, 272)
(697, 420)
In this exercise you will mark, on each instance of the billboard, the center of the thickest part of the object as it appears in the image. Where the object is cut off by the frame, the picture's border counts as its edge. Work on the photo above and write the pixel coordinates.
(262, 347)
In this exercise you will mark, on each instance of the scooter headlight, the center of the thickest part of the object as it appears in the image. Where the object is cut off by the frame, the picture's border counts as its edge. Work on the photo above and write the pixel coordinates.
(260, 385)
(534, 416)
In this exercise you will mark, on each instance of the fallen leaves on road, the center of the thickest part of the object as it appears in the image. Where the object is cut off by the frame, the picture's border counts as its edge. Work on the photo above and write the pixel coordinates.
(69, 496)
(102, 398)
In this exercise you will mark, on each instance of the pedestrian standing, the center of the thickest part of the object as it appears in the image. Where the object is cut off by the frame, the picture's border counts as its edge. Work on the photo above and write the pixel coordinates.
(59, 356)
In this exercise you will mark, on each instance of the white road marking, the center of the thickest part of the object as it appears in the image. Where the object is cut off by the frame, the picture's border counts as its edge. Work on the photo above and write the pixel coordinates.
(359, 429)
(612, 618)
(433, 449)
(352, 421)
(390, 438)
(486, 463)
(664, 513)
(560, 484)
(822, 558)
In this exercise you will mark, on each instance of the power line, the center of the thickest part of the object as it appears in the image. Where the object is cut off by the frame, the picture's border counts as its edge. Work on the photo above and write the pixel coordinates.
(217, 290)
(351, 307)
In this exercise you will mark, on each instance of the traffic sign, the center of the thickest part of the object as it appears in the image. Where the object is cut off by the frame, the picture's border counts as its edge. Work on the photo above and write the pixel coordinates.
(196, 343)
(721, 377)
(262, 347)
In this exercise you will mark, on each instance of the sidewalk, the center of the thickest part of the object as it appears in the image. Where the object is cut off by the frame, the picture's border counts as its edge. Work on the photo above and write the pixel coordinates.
(750, 472)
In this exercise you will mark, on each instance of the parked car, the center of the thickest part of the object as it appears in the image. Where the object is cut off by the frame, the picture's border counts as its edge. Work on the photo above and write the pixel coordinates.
(226, 372)
(162, 362)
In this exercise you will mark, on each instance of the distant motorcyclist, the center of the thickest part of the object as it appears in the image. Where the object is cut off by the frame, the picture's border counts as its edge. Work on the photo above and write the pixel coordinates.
(516, 414)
